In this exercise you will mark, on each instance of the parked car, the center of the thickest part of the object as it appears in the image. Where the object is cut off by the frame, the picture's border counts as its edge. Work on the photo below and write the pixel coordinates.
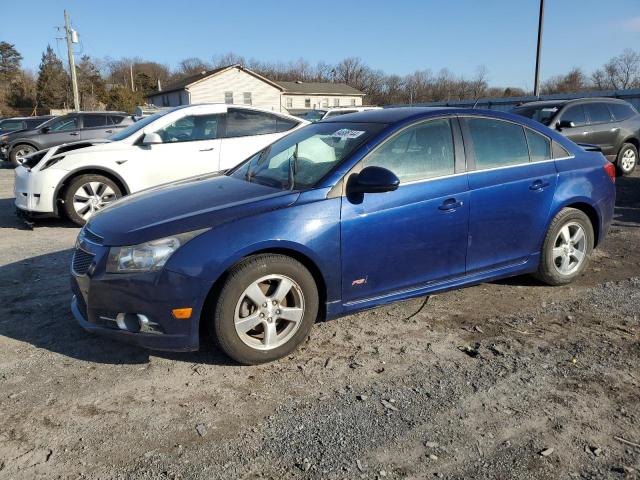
(81, 178)
(63, 129)
(321, 114)
(398, 203)
(611, 124)
(8, 125)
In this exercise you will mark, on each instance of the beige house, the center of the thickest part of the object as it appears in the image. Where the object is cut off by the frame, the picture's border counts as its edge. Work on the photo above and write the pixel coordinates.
(236, 84)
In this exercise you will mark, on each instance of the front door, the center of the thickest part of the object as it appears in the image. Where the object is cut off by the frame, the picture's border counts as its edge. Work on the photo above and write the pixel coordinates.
(417, 234)
(579, 133)
(64, 130)
(511, 189)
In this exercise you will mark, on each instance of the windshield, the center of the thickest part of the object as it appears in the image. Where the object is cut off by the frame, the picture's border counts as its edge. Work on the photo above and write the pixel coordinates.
(314, 115)
(541, 113)
(137, 126)
(302, 158)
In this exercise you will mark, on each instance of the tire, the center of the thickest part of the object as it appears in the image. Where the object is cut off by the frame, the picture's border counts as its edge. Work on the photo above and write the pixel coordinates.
(248, 343)
(104, 192)
(19, 151)
(559, 259)
(627, 159)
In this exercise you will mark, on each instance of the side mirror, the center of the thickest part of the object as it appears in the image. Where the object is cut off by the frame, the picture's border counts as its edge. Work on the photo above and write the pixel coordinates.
(373, 180)
(45, 129)
(565, 124)
(151, 138)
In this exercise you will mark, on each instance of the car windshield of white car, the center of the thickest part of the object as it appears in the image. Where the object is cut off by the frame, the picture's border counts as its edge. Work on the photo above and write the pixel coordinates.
(304, 157)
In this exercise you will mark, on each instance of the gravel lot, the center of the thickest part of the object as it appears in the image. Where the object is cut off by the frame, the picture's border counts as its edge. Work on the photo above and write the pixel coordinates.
(506, 380)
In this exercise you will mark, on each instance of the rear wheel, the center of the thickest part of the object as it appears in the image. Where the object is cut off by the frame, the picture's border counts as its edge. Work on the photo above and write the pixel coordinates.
(566, 249)
(88, 194)
(19, 152)
(627, 159)
(265, 309)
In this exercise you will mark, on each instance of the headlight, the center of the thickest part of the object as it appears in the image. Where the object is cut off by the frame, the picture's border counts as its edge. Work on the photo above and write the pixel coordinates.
(148, 256)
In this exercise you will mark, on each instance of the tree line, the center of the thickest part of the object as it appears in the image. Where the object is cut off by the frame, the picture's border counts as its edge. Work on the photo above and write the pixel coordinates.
(122, 84)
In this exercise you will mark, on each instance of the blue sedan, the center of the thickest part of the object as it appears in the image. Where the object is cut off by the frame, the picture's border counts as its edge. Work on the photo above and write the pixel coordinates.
(337, 217)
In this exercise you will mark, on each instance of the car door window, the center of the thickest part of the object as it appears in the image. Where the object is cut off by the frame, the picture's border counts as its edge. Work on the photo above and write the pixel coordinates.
(115, 119)
(191, 128)
(497, 143)
(243, 123)
(64, 124)
(598, 112)
(421, 151)
(285, 124)
(574, 114)
(620, 111)
(539, 146)
(94, 121)
(11, 125)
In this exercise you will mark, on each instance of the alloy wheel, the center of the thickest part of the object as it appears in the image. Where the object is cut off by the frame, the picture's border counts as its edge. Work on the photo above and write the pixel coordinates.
(23, 152)
(91, 197)
(570, 248)
(269, 312)
(628, 160)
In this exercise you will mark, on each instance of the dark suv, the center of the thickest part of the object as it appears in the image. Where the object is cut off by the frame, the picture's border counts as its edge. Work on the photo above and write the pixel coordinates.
(65, 129)
(611, 124)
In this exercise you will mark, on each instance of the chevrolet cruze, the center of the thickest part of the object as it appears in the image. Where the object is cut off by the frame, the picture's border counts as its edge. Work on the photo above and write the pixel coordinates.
(340, 216)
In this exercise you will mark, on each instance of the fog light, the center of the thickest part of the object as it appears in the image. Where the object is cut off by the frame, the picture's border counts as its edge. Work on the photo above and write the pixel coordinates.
(137, 323)
(182, 313)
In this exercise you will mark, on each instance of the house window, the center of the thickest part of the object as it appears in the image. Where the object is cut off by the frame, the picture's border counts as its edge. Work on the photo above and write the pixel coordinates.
(228, 97)
(325, 102)
(307, 103)
(290, 102)
(336, 102)
(246, 97)
(353, 102)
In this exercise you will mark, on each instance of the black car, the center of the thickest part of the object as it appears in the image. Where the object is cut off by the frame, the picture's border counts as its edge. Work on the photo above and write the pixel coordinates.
(68, 128)
(611, 124)
(13, 124)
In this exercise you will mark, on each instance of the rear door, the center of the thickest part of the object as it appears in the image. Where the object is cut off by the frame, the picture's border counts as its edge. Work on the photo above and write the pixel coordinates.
(94, 126)
(512, 181)
(417, 234)
(602, 130)
(248, 131)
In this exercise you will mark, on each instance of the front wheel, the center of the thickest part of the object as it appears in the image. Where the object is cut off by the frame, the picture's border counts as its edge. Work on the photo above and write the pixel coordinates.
(19, 152)
(627, 159)
(566, 248)
(88, 194)
(265, 309)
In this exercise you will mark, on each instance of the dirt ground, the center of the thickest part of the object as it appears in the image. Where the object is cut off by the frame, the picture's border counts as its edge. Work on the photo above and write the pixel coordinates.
(505, 380)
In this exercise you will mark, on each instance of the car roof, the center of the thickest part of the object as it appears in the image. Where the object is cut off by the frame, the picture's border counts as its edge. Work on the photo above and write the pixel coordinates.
(543, 103)
(388, 115)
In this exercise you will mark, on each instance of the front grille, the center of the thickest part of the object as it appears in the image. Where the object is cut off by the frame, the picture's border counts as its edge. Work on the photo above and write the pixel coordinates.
(81, 261)
(92, 237)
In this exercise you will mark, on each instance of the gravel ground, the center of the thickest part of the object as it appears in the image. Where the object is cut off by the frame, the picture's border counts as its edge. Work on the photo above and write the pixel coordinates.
(505, 380)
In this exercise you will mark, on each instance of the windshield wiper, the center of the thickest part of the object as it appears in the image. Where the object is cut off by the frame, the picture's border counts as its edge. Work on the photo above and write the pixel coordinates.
(293, 167)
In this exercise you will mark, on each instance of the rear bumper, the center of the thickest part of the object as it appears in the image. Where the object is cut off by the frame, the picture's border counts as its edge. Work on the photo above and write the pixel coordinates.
(35, 190)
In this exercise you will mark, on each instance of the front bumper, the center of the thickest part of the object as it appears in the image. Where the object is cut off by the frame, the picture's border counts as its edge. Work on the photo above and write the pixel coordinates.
(35, 191)
(4, 152)
(99, 297)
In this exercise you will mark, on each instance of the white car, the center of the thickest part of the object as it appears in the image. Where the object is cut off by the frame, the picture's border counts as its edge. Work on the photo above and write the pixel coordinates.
(81, 178)
(322, 113)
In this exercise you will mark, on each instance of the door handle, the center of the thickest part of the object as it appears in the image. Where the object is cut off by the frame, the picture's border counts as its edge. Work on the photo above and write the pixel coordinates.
(75, 134)
(585, 133)
(207, 149)
(450, 204)
(109, 131)
(538, 185)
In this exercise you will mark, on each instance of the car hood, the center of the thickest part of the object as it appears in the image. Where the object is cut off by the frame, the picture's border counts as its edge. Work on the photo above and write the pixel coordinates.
(184, 206)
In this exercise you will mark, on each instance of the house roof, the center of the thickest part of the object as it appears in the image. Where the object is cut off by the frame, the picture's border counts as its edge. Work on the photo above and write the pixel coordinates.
(183, 83)
(319, 88)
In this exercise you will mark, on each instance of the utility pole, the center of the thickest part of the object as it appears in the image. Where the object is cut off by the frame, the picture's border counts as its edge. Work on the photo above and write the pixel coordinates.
(72, 62)
(536, 82)
(133, 86)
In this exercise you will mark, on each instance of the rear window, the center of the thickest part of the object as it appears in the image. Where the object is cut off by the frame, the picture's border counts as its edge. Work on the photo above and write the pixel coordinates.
(621, 111)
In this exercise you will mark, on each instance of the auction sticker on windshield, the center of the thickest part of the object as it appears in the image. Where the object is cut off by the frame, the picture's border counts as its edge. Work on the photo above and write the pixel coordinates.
(347, 133)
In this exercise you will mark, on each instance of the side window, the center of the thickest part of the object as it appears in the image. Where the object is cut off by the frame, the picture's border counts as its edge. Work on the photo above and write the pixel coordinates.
(191, 128)
(242, 123)
(497, 143)
(94, 121)
(575, 114)
(559, 151)
(64, 124)
(115, 119)
(598, 112)
(421, 151)
(539, 146)
(620, 111)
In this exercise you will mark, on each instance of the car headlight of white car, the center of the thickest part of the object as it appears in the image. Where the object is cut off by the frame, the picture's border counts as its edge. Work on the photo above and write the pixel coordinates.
(147, 256)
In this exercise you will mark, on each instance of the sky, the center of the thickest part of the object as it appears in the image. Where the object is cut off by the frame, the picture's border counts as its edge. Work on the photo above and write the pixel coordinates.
(399, 36)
